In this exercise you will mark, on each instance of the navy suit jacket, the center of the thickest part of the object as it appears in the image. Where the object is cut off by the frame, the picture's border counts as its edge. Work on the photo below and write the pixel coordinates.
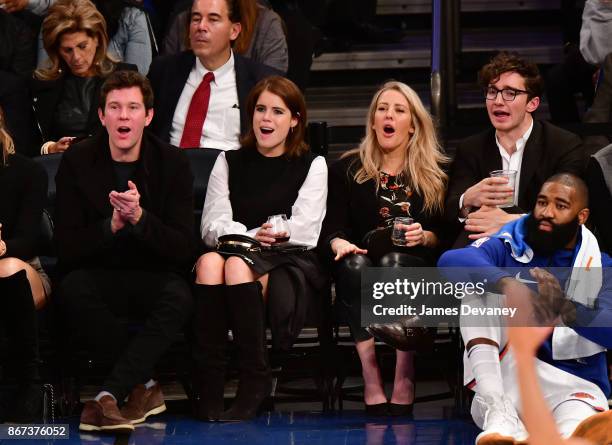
(168, 75)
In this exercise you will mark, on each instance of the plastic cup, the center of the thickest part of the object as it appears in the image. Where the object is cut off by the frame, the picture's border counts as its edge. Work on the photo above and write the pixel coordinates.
(398, 235)
(511, 176)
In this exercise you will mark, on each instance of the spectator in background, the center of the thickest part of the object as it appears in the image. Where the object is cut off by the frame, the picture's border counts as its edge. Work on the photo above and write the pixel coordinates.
(599, 181)
(200, 95)
(65, 93)
(17, 61)
(575, 73)
(24, 285)
(17, 52)
(129, 38)
(302, 38)
(261, 38)
(534, 149)
(601, 110)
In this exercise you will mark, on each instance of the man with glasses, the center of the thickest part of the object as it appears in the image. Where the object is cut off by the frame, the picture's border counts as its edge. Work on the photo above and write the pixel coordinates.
(534, 149)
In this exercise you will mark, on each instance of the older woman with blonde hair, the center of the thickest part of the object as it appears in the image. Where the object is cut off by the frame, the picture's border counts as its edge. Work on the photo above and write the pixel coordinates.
(24, 286)
(395, 172)
(65, 92)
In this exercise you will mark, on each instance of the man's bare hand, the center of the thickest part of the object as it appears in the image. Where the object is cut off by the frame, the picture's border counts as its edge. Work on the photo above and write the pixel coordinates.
(488, 192)
(487, 221)
(127, 203)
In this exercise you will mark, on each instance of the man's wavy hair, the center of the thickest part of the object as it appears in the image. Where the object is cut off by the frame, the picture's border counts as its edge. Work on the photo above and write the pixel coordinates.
(120, 80)
(505, 62)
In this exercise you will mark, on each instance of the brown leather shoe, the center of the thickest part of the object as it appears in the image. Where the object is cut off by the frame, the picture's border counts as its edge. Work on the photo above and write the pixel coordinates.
(104, 415)
(597, 429)
(143, 403)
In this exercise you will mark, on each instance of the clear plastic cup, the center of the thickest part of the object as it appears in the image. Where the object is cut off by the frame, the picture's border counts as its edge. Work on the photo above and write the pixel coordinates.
(398, 235)
(511, 176)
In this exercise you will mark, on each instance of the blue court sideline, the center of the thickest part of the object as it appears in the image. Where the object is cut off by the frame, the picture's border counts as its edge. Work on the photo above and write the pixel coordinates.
(291, 428)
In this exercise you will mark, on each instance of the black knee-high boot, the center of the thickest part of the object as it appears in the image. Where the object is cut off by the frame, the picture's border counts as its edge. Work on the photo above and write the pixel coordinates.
(19, 314)
(247, 319)
(210, 334)
(22, 326)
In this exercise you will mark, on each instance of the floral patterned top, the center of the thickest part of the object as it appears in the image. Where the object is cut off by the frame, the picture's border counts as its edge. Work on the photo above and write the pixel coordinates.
(394, 199)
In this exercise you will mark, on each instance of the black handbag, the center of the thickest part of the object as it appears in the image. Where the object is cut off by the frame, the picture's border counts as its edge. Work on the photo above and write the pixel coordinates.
(236, 244)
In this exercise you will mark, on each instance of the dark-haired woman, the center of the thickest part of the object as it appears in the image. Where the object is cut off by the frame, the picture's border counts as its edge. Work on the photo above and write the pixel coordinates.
(24, 286)
(273, 173)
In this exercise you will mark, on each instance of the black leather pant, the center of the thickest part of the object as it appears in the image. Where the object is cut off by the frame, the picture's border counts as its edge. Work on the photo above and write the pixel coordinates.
(347, 276)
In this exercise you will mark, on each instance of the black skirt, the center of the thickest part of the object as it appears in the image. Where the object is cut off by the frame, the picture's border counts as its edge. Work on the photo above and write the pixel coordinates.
(296, 281)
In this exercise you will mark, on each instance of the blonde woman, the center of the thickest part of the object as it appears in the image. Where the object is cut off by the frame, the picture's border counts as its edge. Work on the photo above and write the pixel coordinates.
(396, 171)
(24, 286)
(65, 92)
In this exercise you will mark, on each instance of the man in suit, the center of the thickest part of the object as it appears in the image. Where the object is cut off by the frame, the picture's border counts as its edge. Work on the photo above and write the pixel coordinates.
(534, 149)
(124, 231)
(200, 95)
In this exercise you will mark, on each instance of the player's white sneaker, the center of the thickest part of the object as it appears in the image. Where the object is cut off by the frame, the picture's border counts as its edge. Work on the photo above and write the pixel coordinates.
(501, 422)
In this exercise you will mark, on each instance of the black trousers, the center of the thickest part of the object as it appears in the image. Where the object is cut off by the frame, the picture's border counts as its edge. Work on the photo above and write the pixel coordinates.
(347, 276)
(97, 302)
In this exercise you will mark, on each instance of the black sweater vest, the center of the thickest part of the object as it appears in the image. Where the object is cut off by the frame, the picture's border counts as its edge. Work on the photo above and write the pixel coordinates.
(260, 186)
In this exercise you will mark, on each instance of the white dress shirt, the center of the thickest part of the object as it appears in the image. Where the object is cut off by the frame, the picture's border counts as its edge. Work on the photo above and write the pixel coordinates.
(221, 128)
(510, 162)
(307, 212)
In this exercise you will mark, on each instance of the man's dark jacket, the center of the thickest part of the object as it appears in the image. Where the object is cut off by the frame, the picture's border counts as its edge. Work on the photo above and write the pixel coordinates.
(162, 240)
(549, 150)
(168, 76)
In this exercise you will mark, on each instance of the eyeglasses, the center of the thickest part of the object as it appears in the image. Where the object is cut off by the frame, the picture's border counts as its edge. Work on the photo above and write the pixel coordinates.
(508, 94)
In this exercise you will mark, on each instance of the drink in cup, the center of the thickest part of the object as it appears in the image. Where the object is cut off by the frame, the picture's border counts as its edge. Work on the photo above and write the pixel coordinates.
(511, 176)
(280, 227)
(398, 236)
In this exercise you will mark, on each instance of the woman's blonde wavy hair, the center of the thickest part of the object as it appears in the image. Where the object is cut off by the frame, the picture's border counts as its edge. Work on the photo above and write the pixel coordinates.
(69, 16)
(6, 141)
(422, 165)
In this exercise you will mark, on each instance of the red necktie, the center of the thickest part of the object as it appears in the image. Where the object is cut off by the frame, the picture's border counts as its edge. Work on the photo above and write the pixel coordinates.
(192, 131)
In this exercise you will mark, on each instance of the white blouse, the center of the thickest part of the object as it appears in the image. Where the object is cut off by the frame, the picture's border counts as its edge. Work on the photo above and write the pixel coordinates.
(307, 212)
